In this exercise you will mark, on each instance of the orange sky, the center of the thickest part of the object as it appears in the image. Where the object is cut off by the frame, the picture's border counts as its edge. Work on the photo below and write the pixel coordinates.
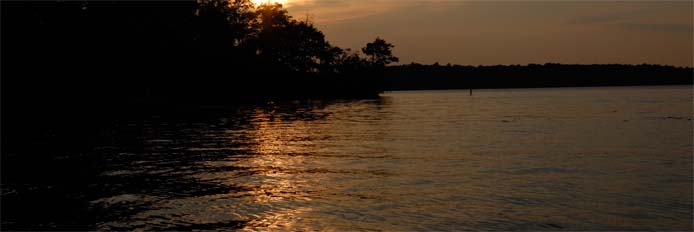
(511, 31)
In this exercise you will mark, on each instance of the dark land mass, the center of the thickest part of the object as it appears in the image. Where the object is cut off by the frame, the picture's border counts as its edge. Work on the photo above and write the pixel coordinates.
(70, 66)
(431, 77)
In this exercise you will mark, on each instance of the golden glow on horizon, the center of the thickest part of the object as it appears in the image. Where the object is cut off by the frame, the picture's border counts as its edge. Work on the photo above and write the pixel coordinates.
(259, 2)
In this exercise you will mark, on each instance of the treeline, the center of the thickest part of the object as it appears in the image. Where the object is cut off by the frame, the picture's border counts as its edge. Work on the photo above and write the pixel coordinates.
(200, 52)
(420, 77)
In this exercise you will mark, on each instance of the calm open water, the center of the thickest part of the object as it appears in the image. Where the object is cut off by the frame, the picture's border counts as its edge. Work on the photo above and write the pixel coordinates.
(616, 158)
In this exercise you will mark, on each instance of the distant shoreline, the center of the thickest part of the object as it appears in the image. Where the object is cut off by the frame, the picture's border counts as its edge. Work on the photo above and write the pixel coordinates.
(433, 77)
(559, 87)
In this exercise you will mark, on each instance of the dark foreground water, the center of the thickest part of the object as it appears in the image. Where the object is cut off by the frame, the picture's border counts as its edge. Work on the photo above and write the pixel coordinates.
(533, 159)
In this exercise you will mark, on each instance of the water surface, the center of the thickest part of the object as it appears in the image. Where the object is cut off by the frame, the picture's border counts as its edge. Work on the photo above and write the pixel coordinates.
(535, 159)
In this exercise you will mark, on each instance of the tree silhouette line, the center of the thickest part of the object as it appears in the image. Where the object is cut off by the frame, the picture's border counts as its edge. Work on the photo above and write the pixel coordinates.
(194, 52)
(416, 76)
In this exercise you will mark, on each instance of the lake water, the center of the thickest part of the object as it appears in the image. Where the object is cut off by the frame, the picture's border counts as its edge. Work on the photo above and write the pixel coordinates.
(617, 158)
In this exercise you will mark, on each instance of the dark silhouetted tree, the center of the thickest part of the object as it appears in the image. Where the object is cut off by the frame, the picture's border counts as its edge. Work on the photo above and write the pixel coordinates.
(329, 60)
(224, 23)
(295, 45)
(349, 62)
(381, 52)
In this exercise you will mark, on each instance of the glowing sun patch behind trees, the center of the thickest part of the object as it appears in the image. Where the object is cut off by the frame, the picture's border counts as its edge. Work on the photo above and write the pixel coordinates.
(258, 2)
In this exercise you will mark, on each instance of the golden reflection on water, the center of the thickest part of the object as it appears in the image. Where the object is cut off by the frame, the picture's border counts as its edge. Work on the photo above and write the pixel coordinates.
(274, 144)
(443, 160)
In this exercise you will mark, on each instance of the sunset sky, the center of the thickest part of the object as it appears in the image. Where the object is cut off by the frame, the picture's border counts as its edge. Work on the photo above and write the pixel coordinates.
(511, 32)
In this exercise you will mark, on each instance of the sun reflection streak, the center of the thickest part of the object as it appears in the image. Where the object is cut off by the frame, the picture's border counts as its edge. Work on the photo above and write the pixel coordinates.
(277, 173)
